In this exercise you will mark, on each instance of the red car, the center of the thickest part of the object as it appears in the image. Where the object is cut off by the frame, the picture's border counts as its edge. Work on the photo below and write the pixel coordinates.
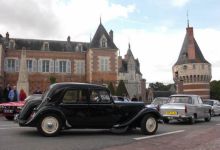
(11, 109)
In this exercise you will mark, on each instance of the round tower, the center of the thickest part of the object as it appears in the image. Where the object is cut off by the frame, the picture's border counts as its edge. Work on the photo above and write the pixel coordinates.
(192, 72)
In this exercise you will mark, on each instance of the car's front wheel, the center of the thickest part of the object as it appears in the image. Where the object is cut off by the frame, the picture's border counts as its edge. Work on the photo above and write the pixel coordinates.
(149, 124)
(207, 119)
(49, 125)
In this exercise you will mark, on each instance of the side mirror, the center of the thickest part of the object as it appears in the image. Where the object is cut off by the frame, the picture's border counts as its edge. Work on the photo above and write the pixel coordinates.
(48, 99)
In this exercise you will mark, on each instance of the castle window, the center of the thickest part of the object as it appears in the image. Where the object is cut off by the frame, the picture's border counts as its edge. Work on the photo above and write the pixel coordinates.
(45, 66)
(62, 66)
(103, 42)
(11, 65)
(104, 64)
(79, 67)
(184, 67)
(30, 65)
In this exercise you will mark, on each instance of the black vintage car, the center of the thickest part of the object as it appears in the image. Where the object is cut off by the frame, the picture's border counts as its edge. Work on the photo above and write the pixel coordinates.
(81, 105)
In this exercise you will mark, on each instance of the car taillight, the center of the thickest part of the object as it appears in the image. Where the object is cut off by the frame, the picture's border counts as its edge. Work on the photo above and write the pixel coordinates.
(185, 109)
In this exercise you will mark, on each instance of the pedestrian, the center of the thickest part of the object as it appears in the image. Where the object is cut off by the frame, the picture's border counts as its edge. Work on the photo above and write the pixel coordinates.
(6, 92)
(13, 94)
(1, 95)
(37, 91)
(22, 95)
(134, 98)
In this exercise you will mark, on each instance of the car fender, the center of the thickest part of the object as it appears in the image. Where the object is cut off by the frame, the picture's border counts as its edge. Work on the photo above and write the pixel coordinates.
(46, 110)
(139, 116)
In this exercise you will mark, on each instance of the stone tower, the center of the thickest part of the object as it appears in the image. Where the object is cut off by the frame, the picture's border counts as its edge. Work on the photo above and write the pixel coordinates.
(23, 74)
(192, 72)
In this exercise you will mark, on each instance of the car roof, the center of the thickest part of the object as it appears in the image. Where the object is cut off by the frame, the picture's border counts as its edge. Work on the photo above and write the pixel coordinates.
(77, 84)
(190, 95)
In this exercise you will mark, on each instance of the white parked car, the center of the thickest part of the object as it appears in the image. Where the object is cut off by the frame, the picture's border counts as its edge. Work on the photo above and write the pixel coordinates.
(185, 108)
(215, 106)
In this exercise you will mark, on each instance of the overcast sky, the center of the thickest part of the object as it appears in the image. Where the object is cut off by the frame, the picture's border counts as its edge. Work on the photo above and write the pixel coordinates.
(154, 28)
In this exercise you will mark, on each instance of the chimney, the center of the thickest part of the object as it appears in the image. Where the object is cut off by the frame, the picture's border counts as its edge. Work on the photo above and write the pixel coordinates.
(7, 36)
(191, 46)
(111, 34)
(68, 39)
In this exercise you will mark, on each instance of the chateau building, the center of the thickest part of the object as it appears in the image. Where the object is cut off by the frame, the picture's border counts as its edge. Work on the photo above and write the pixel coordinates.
(93, 62)
(192, 72)
(129, 72)
(65, 61)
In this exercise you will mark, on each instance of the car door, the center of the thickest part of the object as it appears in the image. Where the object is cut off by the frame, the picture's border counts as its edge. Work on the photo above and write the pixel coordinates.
(217, 107)
(75, 107)
(102, 110)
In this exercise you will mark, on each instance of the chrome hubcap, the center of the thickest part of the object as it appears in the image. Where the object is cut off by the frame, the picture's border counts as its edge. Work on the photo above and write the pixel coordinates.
(50, 125)
(151, 124)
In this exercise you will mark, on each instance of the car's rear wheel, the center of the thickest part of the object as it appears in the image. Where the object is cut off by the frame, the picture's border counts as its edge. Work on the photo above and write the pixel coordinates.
(9, 117)
(192, 120)
(49, 125)
(207, 119)
(149, 124)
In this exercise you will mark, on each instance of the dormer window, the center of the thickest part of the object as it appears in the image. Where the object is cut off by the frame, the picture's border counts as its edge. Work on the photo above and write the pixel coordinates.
(11, 44)
(103, 42)
(79, 48)
(46, 46)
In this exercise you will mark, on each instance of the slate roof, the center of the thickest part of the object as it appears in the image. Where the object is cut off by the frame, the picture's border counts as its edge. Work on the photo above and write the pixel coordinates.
(95, 43)
(33, 44)
(124, 66)
(183, 59)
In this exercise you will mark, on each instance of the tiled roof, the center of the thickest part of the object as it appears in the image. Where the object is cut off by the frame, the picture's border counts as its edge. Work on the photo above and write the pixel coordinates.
(183, 57)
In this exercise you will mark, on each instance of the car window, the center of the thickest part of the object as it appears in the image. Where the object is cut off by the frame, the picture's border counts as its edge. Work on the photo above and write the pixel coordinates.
(75, 96)
(199, 100)
(99, 96)
(181, 99)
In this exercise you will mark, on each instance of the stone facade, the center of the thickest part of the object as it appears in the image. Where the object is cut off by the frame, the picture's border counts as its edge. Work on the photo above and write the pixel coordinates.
(129, 72)
(192, 72)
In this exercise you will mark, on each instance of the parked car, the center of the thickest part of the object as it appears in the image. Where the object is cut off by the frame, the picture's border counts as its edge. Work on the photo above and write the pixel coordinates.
(11, 109)
(81, 105)
(215, 106)
(158, 101)
(185, 107)
(121, 99)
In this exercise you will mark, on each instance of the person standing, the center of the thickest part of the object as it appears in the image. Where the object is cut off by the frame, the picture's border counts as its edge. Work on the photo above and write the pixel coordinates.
(6, 92)
(22, 95)
(13, 94)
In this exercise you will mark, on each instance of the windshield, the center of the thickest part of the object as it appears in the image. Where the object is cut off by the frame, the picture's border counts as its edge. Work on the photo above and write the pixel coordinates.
(160, 101)
(208, 102)
(181, 99)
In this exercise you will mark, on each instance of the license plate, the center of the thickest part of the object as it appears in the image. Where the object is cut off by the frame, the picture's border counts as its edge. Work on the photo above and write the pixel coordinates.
(171, 113)
(8, 111)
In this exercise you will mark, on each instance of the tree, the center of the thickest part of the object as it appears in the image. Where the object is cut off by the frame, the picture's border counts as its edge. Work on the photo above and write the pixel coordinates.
(52, 79)
(158, 86)
(111, 88)
(121, 89)
(215, 90)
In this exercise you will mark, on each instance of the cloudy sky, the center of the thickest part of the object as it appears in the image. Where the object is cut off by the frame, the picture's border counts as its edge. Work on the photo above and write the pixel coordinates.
(154, 28)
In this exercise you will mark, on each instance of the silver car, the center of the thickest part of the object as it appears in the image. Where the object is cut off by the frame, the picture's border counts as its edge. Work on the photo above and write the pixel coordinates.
(215, 106)
(185, 108)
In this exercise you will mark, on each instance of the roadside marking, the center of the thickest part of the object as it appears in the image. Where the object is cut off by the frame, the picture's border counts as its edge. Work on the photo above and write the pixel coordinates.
(9, 128)
(218, 124)
(158, 135)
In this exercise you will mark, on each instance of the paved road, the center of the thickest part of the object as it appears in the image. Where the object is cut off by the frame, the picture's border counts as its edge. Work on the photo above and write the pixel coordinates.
(202, 135)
